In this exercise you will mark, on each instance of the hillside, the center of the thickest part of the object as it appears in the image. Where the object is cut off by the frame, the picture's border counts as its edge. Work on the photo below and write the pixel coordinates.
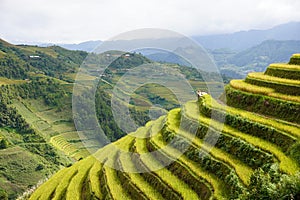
(26, 60)
(28, 78)
(36, 120)
(255, 152)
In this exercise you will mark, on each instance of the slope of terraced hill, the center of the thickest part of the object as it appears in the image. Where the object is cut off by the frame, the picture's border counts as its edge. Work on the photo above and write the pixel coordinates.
(256, 154)
(275, 93)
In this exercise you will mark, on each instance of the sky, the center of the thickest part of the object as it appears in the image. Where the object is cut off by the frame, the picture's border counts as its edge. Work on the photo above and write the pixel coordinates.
(73, 21)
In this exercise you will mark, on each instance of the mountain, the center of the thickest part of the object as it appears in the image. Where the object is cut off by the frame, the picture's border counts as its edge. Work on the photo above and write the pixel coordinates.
(244, 147)
(87, 46)
(84, 46)
(256, 58)
(267, 52)
(245, 39)
(163, 56)
(236, 41)
(238, 64)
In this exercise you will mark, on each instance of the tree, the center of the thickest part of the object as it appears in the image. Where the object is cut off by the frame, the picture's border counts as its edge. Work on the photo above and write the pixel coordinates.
(3, 194)
(39, 167)
(273, 185)
(3, 144)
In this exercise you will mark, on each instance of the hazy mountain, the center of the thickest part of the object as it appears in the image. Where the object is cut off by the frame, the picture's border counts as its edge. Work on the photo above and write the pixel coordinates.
(246, 39)
(163, 56)
(238, 64)
(237, 41)
(256, 58)
(84, 46)
(270, 51)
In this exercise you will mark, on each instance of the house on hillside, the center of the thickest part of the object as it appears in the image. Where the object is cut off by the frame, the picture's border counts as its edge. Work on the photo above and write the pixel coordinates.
(34, 56)
(200, 93)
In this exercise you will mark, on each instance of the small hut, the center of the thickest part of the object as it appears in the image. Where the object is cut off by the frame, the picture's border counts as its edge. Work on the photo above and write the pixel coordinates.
(200, 93)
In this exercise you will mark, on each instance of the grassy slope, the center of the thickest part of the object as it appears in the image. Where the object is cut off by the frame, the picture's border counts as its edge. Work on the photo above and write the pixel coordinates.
(7, 81)
(12, 162)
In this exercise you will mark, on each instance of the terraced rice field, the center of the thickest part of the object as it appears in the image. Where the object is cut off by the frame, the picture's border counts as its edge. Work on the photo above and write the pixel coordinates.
(174, 157)
(247, 87)
(55, 126)
(111, 182)
(276, 93)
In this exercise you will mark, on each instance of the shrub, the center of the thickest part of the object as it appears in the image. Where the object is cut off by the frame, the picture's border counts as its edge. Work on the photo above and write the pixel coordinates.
(3, 144)
(295, 59)
(272, 185)
(294, 152)
(39, 167)
(3, 194)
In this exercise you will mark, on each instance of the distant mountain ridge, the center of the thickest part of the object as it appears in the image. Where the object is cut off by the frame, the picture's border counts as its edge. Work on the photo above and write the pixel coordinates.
(87, 46)
(238, 64)
(237, 41)
(256, 58)
(245, 39)
(236, 53)
(83, 46)
(269, 51)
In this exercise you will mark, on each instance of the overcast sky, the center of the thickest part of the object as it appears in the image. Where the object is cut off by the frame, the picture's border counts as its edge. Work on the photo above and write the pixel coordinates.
(71, 21)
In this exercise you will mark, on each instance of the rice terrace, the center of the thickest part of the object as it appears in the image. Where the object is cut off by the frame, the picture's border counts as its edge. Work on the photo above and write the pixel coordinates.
(150, 100)
(262, 144)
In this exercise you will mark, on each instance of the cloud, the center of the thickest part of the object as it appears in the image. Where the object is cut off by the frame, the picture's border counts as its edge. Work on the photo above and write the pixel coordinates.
(74, 21)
